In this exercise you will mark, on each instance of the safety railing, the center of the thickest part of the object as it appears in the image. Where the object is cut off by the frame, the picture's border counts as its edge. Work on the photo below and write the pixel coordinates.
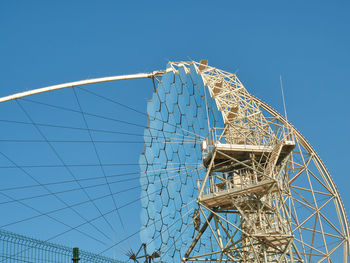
(231, 135)
(18, 248)
(239, 180)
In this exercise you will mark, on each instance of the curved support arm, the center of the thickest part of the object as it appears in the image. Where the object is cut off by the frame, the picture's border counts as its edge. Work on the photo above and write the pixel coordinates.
(82, 82)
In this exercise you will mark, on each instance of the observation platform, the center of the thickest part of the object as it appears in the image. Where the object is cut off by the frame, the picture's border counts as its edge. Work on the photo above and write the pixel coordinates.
(240, 179)
(222, 194)
(273, 237)
(233, 155)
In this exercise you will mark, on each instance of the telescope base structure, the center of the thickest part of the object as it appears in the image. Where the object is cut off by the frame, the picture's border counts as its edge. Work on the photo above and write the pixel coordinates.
(241, 201)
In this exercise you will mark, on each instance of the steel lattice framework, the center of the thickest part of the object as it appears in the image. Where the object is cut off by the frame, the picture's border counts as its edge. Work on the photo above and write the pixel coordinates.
(265, 195)
(222, 175)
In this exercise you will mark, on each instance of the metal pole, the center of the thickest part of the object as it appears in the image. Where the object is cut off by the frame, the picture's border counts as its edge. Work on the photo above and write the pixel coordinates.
(75, 257)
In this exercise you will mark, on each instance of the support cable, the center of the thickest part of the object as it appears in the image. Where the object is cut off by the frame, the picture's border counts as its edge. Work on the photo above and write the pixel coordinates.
(94, 130)
(177, 239)
(108, 118)
(170, 170)
(69, 171)
(83, 141)
(95, 218)
(140, 112)
(55, 219)
(88, 201)
(140, 231)
(82, 165)
(99, 161)
(50, 192)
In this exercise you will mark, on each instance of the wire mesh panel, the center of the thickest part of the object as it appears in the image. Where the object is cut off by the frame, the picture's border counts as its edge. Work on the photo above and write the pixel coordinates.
(17, 248)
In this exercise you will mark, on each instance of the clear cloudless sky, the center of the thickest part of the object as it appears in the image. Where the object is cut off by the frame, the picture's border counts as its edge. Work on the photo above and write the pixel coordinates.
(306, 42)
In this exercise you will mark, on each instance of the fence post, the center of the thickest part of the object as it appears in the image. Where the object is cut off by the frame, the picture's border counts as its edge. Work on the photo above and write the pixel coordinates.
(75, 255)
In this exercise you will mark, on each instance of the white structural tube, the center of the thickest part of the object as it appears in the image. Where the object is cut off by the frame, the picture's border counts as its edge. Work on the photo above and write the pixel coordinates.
(82, 82)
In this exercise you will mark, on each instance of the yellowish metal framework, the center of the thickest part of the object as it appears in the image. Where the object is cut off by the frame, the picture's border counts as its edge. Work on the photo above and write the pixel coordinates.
(263, 171)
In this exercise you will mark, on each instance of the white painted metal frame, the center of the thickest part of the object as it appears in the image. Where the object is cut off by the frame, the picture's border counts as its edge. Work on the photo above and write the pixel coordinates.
(81, 83)
(253, 122)
(250, 121)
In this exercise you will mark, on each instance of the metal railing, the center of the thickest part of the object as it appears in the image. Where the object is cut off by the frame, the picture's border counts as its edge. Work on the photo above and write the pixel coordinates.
(230, 135)
(18, 248)
(241, 178)
(227, 135)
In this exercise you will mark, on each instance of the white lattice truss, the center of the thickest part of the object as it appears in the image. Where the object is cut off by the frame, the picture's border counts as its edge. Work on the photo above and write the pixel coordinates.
(273, 208)
(277, 204)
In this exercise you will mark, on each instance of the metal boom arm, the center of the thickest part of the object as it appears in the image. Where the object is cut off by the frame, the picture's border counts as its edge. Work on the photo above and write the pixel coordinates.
(82, 82)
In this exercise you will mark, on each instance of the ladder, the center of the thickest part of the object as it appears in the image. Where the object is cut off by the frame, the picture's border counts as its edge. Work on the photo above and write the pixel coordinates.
(273, 159)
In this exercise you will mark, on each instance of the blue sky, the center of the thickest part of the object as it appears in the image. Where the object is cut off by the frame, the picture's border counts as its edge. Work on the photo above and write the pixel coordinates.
(307, 42)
